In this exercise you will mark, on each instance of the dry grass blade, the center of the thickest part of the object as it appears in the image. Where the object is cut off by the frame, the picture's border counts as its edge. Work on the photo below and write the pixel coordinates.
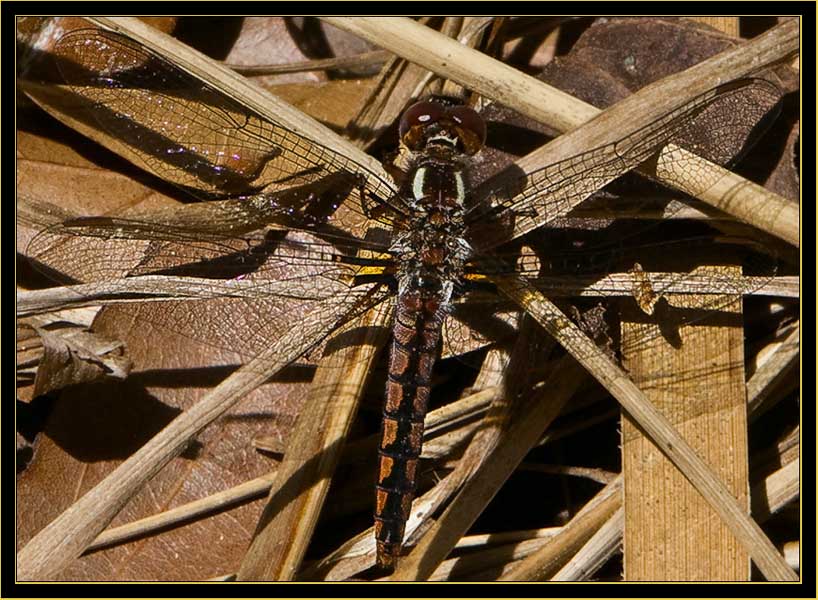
(340, 62)
(296, 500)
(358, 553)
(769, 496)
(772, 494)
(488, 563)
(538, 100)
(145, 288)
(303, 478)
(777, 490)
(729, 192)
(184, 513)
(397, 83)
(599, 475)
(471, 69)
(654, 424)
(596, 551)
(442, 417)
(165, 287)
(621, 284)
(481, 540)
(444, 428)
(388, 98)
(775, 369)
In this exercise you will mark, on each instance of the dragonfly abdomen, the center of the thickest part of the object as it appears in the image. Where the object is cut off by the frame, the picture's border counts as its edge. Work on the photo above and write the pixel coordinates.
(418, 321)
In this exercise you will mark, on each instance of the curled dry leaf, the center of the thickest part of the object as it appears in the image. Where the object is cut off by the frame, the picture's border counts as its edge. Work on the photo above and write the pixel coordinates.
(73, 355)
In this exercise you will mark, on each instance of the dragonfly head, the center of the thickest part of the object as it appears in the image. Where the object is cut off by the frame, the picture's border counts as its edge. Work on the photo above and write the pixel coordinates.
(437, 121)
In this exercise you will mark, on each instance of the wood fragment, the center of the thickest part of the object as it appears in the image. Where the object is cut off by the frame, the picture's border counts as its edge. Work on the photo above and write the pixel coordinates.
(671, 533)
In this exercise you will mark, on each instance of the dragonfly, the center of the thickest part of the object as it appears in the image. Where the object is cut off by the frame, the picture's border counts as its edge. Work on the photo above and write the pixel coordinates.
(287, 220)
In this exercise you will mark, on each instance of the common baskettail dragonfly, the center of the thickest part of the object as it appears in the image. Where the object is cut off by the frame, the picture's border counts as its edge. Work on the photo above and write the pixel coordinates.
(255, 172)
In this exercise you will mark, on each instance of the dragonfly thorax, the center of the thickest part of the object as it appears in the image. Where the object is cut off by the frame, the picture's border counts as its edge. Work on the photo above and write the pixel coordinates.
(431, 251)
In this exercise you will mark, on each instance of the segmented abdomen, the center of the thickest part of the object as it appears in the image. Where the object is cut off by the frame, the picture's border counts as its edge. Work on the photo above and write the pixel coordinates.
(418, 321)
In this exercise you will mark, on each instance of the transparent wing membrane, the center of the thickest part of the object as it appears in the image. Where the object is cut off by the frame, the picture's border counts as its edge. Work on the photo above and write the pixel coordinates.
(546, 194)
(193, 135)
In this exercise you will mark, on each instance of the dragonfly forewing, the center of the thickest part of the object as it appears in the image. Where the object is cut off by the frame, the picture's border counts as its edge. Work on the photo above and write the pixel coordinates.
(191, 134)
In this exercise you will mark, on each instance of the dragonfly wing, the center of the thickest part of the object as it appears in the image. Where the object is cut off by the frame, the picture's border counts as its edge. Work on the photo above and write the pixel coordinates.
(268, 278)
(191, 134)
(249, 325)
(541, 196)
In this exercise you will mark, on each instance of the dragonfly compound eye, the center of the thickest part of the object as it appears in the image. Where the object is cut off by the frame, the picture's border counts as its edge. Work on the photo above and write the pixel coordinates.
(416, 119)
(470, 127)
